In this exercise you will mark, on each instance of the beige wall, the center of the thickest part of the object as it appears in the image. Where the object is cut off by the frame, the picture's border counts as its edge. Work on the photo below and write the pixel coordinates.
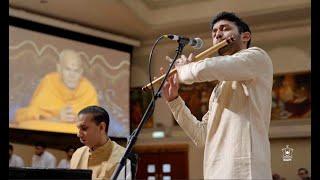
(301, 156)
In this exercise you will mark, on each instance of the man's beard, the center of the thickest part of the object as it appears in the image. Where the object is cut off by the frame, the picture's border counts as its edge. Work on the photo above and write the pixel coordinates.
(39, 154)
(231, 48)
(225, 50)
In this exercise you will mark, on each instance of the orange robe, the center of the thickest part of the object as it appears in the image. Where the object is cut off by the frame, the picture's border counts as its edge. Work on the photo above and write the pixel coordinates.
(52, 95)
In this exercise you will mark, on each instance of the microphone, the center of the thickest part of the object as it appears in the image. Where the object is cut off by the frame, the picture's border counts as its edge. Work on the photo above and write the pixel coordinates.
(196, 43)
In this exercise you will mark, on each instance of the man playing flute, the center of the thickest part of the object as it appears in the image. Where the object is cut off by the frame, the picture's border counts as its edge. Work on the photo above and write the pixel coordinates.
(234, 131)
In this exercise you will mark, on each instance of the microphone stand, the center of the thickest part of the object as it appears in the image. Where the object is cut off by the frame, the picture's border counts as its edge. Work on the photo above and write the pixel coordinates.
(147, 114)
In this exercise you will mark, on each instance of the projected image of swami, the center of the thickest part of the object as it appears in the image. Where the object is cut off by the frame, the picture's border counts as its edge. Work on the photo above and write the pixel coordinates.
(53, 78)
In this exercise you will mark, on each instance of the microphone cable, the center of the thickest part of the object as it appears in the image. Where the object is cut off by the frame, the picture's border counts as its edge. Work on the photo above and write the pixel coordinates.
(149, 63)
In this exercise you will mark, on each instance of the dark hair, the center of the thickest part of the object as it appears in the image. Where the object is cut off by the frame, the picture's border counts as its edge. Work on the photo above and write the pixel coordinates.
(68, 148)
(229, 16)
(99, 115)
(275, 176)
(10, 147)
(305, 170)
(41, 144)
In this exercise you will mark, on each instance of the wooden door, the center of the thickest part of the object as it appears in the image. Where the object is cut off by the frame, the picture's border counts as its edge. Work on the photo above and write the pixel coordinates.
(162, 162)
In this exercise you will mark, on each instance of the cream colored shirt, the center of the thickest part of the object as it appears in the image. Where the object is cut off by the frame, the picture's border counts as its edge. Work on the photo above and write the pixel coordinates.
(46, 160)
(103, 161)
(16, 161)
(64, 164)
(234, 131)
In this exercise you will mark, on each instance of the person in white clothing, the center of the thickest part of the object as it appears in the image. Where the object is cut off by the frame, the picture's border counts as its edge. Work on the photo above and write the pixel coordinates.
(42, 158)
(65, 163)
(234, 131)
(14, 160)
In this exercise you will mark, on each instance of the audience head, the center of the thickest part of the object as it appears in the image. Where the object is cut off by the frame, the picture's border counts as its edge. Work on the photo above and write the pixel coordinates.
(69, 151)
(40, 147)
(275, 176)
(303, 173)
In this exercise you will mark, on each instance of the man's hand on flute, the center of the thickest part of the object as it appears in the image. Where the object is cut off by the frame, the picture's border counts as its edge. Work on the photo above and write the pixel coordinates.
(170, 87)
(182, 60)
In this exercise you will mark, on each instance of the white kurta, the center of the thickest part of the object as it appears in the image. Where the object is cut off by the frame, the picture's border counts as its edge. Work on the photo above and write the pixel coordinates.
(46, 160)
(64, 163)
(235, 129)
(16, 161)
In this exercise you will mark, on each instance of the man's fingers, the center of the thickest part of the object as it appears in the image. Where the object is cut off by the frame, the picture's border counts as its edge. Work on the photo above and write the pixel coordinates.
(176, 80)
(171, 80)
(166, 85)
(161, 70)
(165, 88)
(169, 59)
(183, 57)
(190, 57)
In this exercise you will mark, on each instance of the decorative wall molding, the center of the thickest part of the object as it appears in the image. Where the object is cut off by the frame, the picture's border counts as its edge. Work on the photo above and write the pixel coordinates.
(71, 26)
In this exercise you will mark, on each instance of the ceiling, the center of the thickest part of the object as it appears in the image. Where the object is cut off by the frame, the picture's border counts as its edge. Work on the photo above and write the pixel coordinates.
(146, 19)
